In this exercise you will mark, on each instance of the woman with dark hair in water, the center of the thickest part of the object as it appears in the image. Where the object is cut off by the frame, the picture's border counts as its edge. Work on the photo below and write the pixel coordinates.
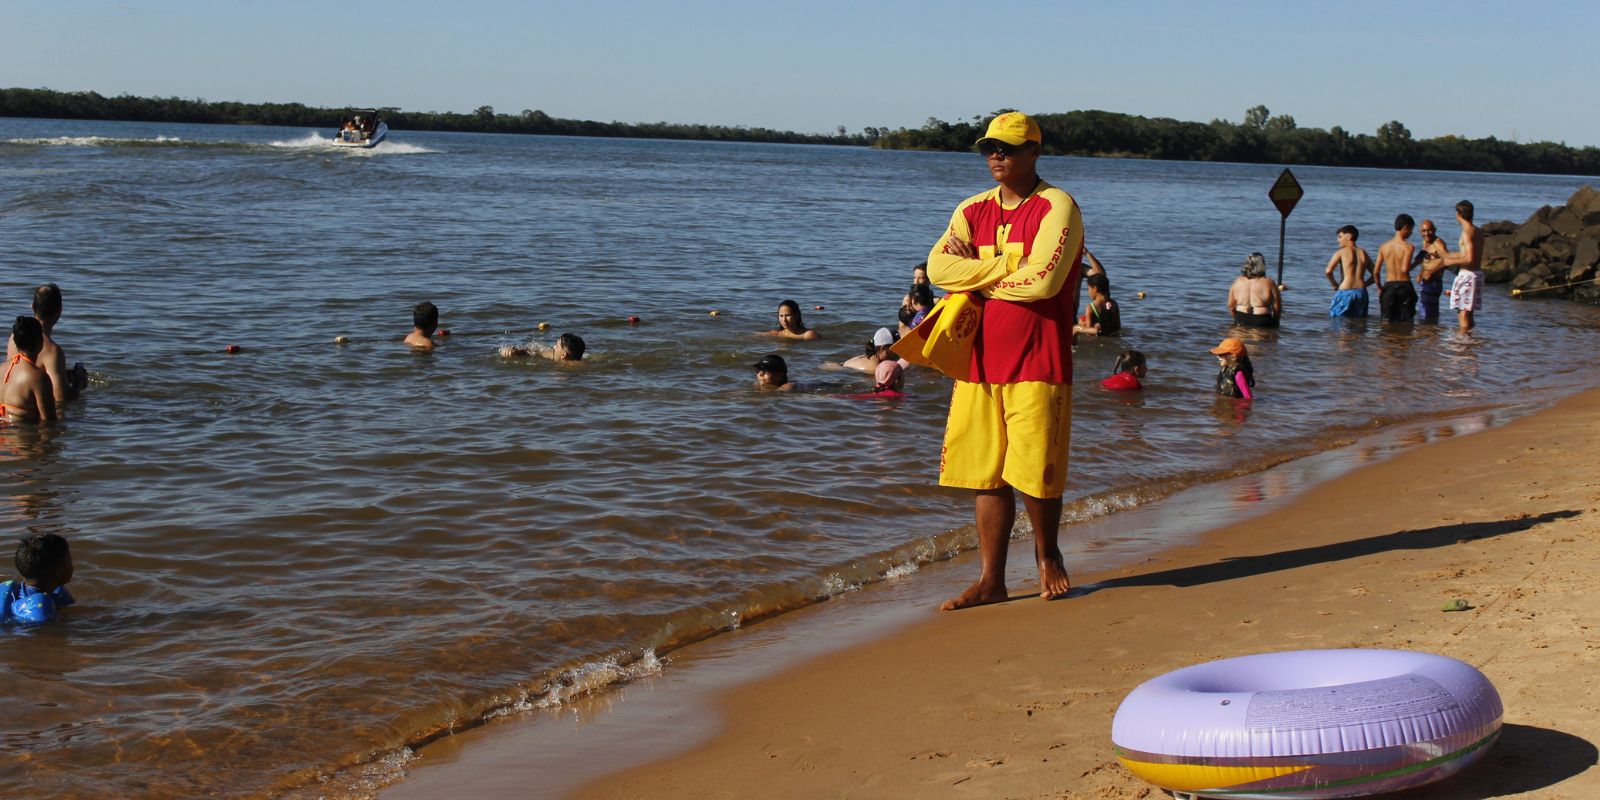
(790, 325)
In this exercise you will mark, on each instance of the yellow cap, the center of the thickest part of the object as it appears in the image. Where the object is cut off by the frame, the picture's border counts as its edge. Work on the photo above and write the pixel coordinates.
(1013, 127)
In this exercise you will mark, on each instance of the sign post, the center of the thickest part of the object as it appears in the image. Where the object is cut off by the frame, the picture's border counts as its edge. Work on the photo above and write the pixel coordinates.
(1285, 193)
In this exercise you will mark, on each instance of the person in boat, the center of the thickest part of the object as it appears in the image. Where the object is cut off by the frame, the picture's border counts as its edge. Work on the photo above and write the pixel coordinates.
(348, 133)
(1253, 299)
(568, 348)
(424, 321)
(66, 384)
(25, 391)
(791, 325)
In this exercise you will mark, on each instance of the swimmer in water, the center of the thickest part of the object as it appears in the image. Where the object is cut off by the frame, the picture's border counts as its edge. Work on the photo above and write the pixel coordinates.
(1129, 369)
(1101, 316)
(888, 377)
(877, 351)
(1237, 375)
(25, 392)
(772, 374)
(791, 325)
(66, 384)
(569, 348)
(45, 563)
(424, 321)
(921, 302)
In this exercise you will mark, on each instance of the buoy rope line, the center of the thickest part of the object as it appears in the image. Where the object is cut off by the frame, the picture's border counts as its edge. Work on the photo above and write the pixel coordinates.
(1521, 292)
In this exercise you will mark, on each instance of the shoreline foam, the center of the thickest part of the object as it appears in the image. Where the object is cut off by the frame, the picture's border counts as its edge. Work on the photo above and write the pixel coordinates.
(465, 761)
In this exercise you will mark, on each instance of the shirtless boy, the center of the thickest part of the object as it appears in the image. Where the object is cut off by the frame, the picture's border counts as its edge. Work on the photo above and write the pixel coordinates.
(1350, 293)
(1430, 279)
(66, 384)
(424, 321)
(1397, 301)
(1466, 294)
(25, 391)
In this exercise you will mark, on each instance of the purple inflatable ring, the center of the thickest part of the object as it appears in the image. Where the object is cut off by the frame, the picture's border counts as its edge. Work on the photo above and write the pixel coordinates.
(1307, 724)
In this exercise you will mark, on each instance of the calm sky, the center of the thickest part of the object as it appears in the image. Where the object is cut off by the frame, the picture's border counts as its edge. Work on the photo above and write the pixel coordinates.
(1440, 68)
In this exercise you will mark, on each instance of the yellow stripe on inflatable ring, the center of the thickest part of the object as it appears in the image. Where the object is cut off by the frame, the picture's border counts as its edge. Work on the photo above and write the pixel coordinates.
(1196, 777)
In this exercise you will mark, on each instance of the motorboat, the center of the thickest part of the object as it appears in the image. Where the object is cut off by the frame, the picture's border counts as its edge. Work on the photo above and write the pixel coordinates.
(361, 128)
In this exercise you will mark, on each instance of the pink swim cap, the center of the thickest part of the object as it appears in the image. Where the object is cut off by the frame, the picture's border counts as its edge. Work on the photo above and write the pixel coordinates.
(888, 374)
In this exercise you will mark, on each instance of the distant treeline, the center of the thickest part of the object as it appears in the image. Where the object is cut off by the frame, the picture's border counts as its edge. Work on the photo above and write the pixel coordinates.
(1261, 138)
(90, 105)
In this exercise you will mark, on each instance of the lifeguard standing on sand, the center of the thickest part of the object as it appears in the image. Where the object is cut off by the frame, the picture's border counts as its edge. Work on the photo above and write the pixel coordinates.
(1017, 250)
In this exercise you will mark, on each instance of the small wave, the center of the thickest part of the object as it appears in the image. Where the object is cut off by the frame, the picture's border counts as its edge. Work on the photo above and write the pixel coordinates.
(594, 676)
(99, 141)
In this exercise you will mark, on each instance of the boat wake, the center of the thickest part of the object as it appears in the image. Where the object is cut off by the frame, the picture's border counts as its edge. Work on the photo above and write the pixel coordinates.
(310, 141)
(318, 142)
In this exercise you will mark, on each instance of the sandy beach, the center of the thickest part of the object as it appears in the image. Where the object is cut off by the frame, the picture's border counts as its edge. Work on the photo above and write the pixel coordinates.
(1015, 700)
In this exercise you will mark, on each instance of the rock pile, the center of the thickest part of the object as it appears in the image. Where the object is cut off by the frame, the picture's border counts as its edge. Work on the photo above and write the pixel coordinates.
(1554, 254)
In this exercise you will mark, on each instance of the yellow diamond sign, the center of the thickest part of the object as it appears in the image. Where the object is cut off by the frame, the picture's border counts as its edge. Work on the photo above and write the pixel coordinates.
(1286, 192)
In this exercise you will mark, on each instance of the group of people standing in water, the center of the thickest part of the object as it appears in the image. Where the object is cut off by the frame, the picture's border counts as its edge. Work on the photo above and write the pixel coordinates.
(1398, 299)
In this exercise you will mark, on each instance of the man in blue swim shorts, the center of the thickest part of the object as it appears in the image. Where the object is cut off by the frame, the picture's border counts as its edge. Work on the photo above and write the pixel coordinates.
(1350, 289)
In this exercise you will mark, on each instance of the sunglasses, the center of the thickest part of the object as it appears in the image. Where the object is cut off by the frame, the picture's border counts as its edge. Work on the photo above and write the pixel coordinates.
(1001, 149)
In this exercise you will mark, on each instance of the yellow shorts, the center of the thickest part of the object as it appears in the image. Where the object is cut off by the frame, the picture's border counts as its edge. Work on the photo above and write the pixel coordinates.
(1012, 434)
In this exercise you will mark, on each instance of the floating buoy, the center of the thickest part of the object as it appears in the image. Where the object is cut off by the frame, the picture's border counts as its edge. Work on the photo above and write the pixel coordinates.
(633, 320)
(716, 313)
(1140, 295)
(341, 340)
(819, 308)
(1516, 292)
(544, 326)
(232, 348)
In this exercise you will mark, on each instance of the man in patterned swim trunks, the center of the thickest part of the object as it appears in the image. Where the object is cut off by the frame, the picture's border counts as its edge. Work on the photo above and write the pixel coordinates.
(1018, 250)
(1466, 294)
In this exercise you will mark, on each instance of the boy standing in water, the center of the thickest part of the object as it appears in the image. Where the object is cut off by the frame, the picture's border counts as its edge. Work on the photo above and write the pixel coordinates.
(65, 384)
(1349, 294)
(1466, 294)
(1397, 301)
(25, 391)
(1430, 280)
(424, 321)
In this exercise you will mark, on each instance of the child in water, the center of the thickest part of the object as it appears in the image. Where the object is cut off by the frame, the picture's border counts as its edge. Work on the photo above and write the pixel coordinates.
(1129, 369)
(1237, 375)
(45, 563)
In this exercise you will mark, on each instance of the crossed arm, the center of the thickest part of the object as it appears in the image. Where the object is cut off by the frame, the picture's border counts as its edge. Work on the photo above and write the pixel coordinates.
(954, 264)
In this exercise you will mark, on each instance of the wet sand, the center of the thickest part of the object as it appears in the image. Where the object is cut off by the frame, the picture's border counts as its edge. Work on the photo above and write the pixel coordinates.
(1015, 700)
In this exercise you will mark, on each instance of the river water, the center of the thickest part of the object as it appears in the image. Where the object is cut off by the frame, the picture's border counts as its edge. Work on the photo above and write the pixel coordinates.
(306, 555)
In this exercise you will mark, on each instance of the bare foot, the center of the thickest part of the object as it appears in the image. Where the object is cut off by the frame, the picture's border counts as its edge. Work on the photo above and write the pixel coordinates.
(1053, 580)
(978, 594)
